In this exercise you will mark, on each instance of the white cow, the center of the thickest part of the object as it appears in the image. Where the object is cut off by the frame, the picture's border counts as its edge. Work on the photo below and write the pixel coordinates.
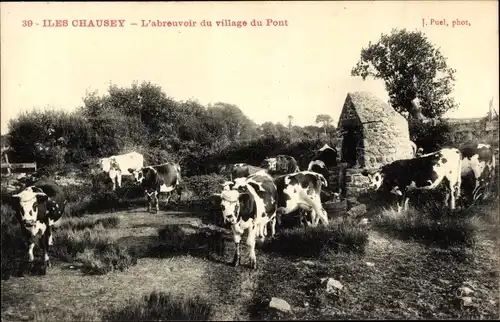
(117, 166)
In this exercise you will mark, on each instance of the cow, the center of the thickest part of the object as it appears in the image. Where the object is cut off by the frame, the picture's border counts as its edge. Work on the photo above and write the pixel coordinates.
(242, 170)
(425, 172)
(478, 161)
(324, 160)
(281, 164)
(156, 179)
(37, 208)
(301, 191)
(249, 204)
(117, 165)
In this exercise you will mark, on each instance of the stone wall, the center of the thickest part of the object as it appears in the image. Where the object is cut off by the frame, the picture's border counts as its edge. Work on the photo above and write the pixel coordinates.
(355, 184)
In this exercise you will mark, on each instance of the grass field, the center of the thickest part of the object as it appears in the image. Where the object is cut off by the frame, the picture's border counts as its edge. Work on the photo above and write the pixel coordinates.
(402, 271)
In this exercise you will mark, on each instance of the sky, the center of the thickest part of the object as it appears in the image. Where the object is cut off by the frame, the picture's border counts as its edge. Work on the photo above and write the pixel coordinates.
(302, 69)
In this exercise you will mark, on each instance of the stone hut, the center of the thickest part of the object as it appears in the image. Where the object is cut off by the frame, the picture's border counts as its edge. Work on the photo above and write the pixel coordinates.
(374, 133)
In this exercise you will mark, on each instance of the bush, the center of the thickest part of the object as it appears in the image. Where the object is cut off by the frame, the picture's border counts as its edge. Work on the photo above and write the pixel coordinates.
(13, 244)
(203, 186)
(184, 239)
(425, 227)
(159, 306)
(88, 222)
(110, 258)
(87, 240)
(341, 235)
(430, 137)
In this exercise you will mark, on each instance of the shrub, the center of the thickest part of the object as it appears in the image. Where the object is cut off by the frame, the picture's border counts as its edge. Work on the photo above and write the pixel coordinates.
(13, 243)
(159, 306)
(68, 243)
(430, 137)
(445, 231)
(86, 240)
(341, 235)
(110, 258)
(88, 222)
(183, 239)
(203, 186)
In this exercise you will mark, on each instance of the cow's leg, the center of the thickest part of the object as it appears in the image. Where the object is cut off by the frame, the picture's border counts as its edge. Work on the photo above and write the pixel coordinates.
(273, 225)
(320, 213)
(119, 179)
(237, 253)
(148, 196)
(45, 246)
(31, 256)
(251, 244)
(157, 202)
(452, 193)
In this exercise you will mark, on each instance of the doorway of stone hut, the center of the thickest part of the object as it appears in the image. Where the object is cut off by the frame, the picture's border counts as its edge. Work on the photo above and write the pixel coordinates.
(350, 145)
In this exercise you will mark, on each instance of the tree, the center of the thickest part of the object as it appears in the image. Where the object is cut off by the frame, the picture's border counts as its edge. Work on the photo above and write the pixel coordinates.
(325, 119)
(416, 75)
(290, 119)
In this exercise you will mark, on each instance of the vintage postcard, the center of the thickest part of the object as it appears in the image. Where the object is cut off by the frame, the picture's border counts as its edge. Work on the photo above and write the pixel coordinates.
(249, 160)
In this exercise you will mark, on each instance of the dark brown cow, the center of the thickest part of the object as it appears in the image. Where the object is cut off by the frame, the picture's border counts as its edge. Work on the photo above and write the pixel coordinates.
(156, 179)
(281, 164)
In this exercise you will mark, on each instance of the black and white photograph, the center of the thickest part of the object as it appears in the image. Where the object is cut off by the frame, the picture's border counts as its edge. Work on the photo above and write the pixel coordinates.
(249, 160)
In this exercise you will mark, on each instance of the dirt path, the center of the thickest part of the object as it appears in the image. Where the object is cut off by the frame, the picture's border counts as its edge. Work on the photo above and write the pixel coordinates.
(65, 292)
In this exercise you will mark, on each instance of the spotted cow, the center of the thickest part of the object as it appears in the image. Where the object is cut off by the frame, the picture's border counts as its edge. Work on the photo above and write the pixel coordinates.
(302, 191)
(116, 166)
(242, 170)
(156, 179)
(425, 172)
(281, 164)
(324, 160)
(249, 204)
(37, 208)
(478, 163)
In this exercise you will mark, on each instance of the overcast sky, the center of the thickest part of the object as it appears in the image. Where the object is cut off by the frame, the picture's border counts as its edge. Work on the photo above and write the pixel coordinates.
(269, 72)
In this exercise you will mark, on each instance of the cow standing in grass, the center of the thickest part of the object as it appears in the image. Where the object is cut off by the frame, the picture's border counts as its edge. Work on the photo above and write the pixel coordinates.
(302, 191)
(425, 172)
(249, 204)
(478, 164)
(37, 208)
(324, 160)
(156, 179)
(117, 165)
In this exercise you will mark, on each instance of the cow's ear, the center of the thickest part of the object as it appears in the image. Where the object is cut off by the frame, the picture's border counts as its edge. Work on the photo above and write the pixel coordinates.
(41, 197)
(130, 170)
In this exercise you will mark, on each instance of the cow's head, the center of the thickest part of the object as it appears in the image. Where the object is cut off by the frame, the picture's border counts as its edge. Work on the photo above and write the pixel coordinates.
(231, 195)
(105, 164)
(138, 174)
(375, 179)
(269, 164)
(26, 205)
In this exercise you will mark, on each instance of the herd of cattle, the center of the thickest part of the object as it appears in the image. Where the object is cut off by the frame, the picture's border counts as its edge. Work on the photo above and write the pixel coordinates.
(254, 198)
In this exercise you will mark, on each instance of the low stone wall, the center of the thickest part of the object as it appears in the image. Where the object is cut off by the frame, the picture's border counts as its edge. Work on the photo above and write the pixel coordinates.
(355, 184)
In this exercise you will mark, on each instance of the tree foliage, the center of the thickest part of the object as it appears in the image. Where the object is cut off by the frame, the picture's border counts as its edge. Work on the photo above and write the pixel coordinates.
(411, 66)
(142, 118)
